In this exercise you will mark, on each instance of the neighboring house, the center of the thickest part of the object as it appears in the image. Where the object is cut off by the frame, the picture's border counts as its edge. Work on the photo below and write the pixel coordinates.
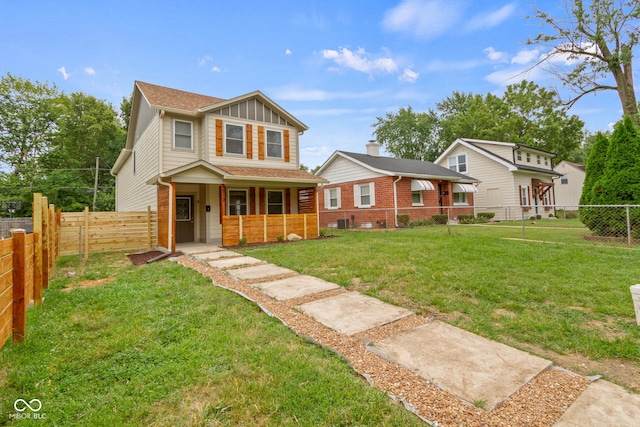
(369, 190)
(569, 185)
(216, 171)
(513, 177)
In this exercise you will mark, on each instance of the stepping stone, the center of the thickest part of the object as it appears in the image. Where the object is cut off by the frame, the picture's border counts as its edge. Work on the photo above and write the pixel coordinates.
(258, 272)
(352, 312)
(603, 404)
(467, 365)
(196, 248)
(216, 255)
(295, 287)
(234, 262)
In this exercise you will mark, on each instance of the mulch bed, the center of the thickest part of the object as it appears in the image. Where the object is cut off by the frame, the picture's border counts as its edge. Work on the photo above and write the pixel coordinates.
(142, 258)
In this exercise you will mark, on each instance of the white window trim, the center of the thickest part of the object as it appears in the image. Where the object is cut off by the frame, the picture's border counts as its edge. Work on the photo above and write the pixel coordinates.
(327, 198)
(457, 164)
(246, 198)
(357, 200)
(174, 134)
(421, 203)
(244, 140)
(524, 191)
(266, 144)
(466, 200)
(266, 201)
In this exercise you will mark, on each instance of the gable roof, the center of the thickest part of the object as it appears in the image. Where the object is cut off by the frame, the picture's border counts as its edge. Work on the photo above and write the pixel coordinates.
(575, 165)
(473, 144)
(395, 166)
(164, 98)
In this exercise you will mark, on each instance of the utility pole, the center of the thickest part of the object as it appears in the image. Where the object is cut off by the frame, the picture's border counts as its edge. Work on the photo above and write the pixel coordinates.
(95, 184)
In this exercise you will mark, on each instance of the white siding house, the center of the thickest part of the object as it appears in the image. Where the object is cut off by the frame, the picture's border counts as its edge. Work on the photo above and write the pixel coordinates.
(569, 184)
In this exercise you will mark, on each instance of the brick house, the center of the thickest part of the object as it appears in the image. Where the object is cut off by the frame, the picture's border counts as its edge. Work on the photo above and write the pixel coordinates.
(370, 191)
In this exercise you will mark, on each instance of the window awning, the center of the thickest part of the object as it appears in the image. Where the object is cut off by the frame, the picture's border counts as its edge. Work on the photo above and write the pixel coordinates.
(421, 184)
(464, 188)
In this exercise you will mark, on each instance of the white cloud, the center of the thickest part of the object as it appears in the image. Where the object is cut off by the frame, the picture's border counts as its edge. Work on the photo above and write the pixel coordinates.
(491, 19)
(513, 75)
(359, 60)
(216, 69)
(90, 71)
(494, 55)
(64, 73)
(526, 56)
(288, 52)
(204, 60)
(562, 58)
(422, 18)
(323, 151)
(408, 76)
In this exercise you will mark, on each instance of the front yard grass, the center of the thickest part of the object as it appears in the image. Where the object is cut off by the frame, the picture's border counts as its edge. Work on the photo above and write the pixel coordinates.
(570, 298)
(159, 345)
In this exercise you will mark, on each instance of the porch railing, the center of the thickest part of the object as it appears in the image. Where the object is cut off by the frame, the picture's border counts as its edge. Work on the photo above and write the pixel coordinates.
(238, 229)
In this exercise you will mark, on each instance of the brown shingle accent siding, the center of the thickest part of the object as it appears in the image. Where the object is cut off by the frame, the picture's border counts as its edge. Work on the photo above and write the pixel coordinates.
(287, 146)
(249, 132)
(219, 138)
(260, 142)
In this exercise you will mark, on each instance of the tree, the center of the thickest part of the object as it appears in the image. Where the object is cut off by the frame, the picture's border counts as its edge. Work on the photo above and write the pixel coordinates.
(409, 135)
(598, 42)
(28, 115)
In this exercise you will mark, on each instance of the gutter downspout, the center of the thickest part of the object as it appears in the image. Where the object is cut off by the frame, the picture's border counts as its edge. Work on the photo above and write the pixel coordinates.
(395, 202)
(170, 210)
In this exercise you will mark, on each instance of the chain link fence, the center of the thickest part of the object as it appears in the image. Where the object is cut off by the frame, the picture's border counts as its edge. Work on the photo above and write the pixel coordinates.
(610, 224)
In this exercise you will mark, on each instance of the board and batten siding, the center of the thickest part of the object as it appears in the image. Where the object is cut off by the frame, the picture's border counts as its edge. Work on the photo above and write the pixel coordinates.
(343, 170)
(133, 193)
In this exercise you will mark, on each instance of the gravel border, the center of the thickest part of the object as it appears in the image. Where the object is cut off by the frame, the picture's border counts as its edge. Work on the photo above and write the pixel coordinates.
(541, 402)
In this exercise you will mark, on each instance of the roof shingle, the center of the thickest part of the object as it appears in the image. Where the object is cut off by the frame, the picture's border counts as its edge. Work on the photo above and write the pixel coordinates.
(164, 97)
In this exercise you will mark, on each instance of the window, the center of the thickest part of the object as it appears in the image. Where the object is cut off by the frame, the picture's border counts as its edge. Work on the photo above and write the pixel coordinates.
(528, 157)
(275, 202)
(364, 195)
(234, 139)
(182, 135)
(546, 161)
(458, 163)
(416, 198)
(274, 144)
(332, 198)
(519, 155)
(460, 199)
(237, 202)
(524, 195)
(538, 159)
(564, 179)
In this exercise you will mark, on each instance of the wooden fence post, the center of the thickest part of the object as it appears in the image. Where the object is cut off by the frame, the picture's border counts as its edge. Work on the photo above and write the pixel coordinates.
(37, 250)
(19, 269)
(86, 232)
(150, 246)
(45, 243)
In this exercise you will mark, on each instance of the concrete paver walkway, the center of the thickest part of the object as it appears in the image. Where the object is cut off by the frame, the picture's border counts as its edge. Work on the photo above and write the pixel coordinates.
(460, 362)
(467, 365)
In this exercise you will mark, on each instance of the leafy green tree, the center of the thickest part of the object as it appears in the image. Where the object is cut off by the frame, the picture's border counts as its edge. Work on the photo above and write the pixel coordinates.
(409, 135)
(593, 45)
(28, 122)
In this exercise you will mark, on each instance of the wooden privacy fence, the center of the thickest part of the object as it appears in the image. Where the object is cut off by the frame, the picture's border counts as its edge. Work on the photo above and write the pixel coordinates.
(267, 228)
(89, 232)
(26, 261)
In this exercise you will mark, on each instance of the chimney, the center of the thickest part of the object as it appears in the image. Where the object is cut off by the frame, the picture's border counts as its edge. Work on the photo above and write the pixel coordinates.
(373, 148)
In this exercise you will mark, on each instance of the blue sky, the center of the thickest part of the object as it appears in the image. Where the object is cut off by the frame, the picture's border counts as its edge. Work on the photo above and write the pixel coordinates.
(335, 65)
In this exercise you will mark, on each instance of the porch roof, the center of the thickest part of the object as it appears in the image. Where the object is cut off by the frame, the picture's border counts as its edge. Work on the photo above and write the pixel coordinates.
(223, 174)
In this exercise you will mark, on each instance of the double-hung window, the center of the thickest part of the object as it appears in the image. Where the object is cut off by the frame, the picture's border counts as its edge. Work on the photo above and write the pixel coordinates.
(275, 202)
(524, 195)
(458, 163)
(416, 198)
(234, 139)
(364, 195)
(274, 144)
(182, 135)
(237, 202)
(332, 198)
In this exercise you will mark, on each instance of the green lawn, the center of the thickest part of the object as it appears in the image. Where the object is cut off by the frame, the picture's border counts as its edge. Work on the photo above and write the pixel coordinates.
(160, 345)
(569, 297)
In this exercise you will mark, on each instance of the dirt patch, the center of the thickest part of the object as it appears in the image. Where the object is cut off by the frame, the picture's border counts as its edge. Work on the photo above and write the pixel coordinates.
(88, 284)
(142, 258)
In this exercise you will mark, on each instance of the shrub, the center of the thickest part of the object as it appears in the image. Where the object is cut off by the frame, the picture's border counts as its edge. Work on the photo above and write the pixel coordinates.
(280, 238)
(466, 219)
(403, 220)
(242, 240)
(440, 218)
(421, 223)
(487, 215)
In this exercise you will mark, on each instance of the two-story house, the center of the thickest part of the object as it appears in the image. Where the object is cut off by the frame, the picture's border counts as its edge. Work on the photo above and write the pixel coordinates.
(514, 178)
(221, 171)
(569, 184)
